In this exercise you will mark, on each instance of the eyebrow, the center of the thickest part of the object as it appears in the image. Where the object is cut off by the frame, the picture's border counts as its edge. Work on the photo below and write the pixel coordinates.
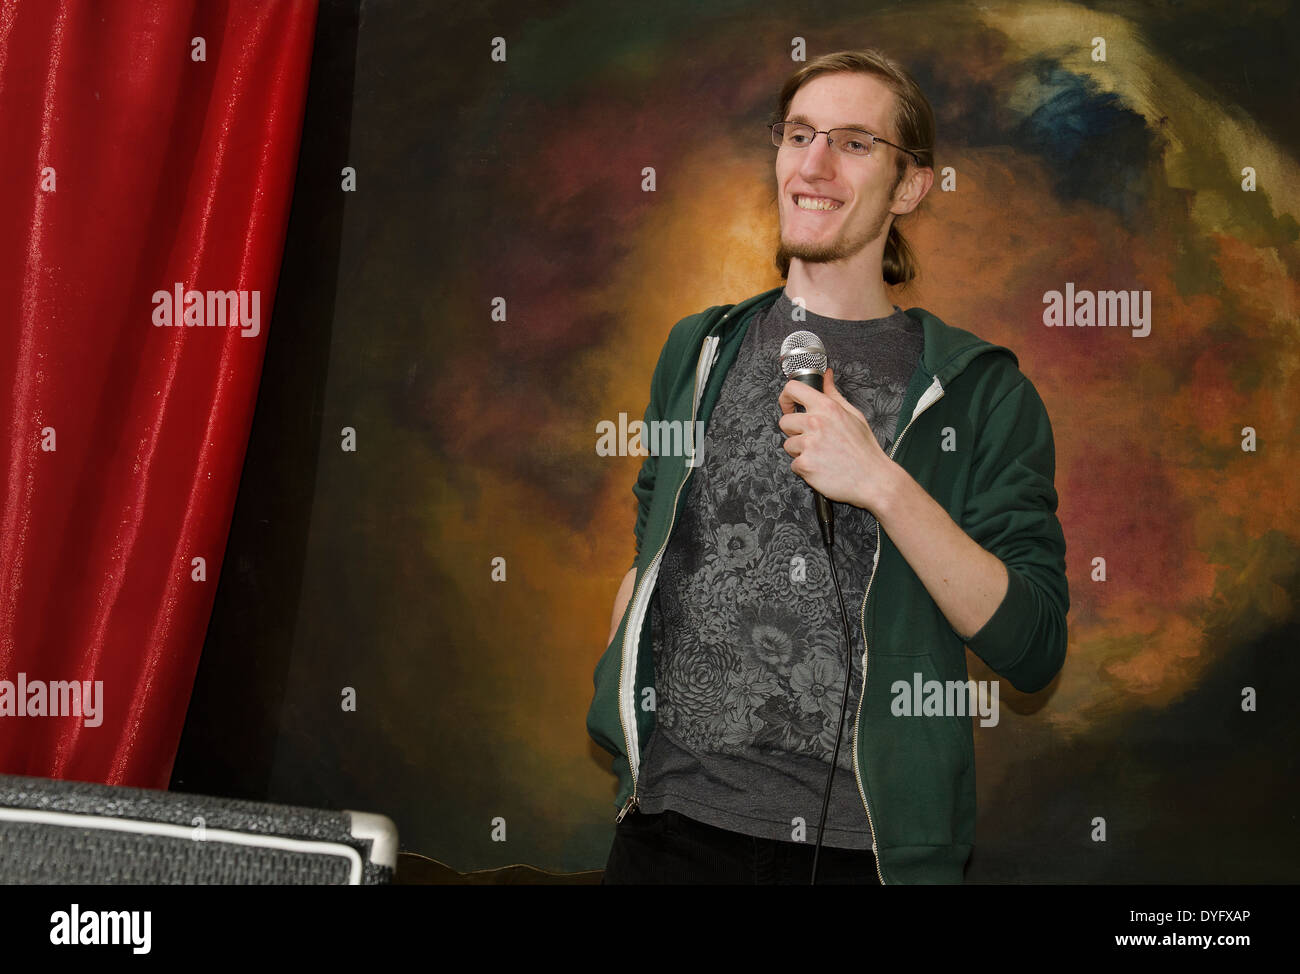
(846, 125)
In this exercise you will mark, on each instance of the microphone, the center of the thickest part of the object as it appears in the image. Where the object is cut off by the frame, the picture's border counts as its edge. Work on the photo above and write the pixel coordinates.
(803, 358)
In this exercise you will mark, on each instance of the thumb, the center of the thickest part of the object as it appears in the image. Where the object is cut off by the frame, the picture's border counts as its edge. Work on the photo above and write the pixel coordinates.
(830, 389)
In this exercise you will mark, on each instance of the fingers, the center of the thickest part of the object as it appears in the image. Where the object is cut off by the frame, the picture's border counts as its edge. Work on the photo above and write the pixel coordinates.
(792, 424)
(794, 392)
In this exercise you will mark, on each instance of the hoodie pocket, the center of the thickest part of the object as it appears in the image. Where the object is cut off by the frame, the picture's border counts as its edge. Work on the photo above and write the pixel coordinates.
(959, 707)
(920, 769)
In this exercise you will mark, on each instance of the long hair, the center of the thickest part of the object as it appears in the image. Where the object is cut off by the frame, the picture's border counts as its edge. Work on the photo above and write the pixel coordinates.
(913, 122)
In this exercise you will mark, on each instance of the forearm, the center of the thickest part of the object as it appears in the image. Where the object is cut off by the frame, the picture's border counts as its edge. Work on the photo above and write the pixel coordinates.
(965, 581)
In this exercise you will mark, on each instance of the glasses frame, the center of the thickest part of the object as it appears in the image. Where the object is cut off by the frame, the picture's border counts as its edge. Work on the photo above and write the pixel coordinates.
(831, 142)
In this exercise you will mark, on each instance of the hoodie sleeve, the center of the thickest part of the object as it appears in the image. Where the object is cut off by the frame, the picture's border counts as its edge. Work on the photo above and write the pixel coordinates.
(1011, 512)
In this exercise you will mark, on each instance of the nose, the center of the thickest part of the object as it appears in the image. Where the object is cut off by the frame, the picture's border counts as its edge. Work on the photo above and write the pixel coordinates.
(815, 158)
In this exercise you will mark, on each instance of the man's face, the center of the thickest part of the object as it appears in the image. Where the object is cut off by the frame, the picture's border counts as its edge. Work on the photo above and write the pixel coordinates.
(861, 185)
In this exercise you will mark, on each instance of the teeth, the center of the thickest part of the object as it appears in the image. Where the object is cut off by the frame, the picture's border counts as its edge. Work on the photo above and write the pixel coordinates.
(815, 203)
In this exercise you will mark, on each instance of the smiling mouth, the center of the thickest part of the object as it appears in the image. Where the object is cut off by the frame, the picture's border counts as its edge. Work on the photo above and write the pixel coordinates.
(816, 202)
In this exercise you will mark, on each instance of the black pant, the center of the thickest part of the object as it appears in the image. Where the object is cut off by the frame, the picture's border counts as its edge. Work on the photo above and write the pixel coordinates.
(671, 848)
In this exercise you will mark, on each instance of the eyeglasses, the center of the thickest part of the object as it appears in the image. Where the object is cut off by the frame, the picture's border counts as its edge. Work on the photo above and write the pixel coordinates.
(853, 142)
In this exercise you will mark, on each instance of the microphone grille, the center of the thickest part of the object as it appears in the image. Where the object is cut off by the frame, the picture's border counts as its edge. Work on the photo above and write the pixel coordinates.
(802, 351)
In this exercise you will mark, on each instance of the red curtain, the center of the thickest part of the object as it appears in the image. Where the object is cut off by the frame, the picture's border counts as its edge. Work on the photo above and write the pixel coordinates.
(148, 153)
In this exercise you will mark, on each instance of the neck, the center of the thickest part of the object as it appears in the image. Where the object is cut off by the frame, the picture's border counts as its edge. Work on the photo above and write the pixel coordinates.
(851, 290)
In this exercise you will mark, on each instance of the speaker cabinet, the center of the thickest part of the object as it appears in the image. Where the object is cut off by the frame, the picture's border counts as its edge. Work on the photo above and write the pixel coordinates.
(75, 832)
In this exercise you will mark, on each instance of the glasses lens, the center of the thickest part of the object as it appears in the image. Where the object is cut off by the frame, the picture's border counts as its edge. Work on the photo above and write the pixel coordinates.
(853, 141)
(792, 133)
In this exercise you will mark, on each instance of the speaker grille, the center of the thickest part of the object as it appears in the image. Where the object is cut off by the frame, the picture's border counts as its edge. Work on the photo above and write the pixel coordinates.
(76, 832)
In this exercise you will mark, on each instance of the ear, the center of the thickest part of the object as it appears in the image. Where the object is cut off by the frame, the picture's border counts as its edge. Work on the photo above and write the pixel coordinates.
(912, 189)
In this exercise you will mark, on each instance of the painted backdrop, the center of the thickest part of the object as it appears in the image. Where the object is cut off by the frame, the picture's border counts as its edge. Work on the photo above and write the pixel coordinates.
(1169, 167)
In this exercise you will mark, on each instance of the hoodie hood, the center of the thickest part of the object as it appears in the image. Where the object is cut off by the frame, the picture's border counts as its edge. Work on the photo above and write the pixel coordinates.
(946, 354)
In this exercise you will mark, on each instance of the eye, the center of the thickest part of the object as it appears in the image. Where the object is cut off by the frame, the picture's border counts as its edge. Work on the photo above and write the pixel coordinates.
(797, 136)
(855, 146)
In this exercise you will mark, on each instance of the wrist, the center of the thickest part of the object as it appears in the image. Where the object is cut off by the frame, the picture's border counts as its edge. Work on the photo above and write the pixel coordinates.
(890, 484)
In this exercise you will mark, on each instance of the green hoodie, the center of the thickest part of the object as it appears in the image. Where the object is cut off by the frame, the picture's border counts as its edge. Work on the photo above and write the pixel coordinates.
(916, 774)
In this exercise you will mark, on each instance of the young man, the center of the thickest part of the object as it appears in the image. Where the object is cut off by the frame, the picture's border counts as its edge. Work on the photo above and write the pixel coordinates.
(721, 689)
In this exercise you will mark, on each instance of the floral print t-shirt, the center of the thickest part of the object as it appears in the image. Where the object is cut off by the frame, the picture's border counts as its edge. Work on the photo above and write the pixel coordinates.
(748, 642)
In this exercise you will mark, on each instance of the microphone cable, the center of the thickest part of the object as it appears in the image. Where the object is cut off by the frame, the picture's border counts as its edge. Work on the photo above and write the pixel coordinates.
(803, 358)
(844, 703)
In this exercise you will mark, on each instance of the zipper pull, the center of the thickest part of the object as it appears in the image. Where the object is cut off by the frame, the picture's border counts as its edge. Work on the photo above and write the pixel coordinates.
(629, 806)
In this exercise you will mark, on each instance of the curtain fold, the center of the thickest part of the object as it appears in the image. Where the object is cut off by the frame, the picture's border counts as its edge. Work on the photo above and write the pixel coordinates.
(146, 172)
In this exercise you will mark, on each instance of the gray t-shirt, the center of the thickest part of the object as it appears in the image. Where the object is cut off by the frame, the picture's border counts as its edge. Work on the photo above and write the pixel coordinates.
(748, 641)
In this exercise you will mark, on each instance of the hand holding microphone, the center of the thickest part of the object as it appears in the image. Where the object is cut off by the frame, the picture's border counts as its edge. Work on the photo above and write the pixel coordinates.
(803, 358)
(842, 459)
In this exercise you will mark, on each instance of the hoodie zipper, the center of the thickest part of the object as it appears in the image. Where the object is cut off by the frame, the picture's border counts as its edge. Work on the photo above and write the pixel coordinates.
(632, 801)
(857, 773)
